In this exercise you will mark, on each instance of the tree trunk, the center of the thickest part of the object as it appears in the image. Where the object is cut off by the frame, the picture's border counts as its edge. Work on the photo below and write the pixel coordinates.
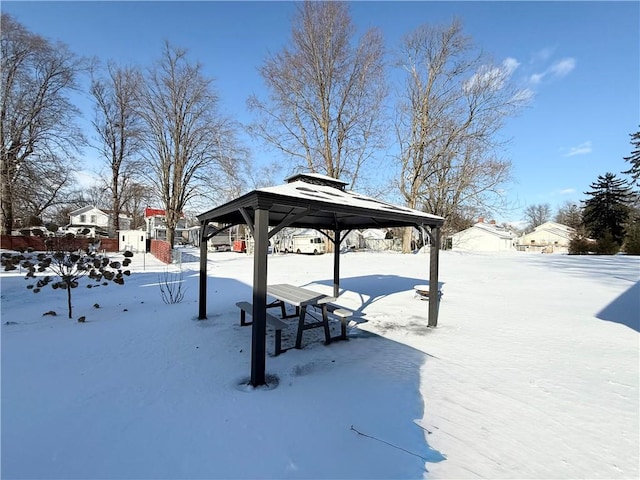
(6, 201)
(69, 300)
(171, 235)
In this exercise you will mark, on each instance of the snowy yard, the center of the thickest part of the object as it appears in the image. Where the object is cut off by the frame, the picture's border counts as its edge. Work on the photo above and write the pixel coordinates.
(533, 372)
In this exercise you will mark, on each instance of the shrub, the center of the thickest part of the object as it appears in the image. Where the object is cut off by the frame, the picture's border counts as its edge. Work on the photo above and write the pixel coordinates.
(69, 264)
(580, 246)
(632, 240)
(607, 245)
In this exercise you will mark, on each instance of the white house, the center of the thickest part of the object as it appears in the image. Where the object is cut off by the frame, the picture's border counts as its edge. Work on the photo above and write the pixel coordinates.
(156, 221)
(548, 237)
(376, 239)
(93, 222)
(483, 237)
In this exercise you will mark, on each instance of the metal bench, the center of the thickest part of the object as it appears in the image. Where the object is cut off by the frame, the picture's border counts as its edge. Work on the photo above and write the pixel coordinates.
(274, 322)
(342, 314)
(422, 292)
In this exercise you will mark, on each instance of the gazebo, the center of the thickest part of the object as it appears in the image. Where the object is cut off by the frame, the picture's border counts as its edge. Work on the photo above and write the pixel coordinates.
(306, 201)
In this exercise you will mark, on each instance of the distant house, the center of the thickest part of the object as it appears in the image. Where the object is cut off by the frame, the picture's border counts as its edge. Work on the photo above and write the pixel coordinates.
(94, 222)
(548, 237)
(483, 237)
(156, 221)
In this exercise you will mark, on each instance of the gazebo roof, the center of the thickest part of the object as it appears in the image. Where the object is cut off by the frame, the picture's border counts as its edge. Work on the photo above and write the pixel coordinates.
(318, 202)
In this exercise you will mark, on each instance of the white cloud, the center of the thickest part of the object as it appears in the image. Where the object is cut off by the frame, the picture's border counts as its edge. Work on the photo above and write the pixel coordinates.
(492, 77)
(567, 191)
(87, 179)
(536, 78)
(558, 69)
(563, 67)
(581, 149)
(543, 55)
(510, 65)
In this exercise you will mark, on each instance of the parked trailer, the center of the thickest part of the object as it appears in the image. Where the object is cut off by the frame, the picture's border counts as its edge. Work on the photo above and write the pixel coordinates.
(306, 244)
(221, 242)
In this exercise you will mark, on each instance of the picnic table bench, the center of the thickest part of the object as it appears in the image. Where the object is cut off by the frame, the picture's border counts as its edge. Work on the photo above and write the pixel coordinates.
(274, 322)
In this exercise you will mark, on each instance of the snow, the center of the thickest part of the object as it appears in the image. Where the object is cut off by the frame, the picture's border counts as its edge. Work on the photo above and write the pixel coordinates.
(328, 194)
(532, 373)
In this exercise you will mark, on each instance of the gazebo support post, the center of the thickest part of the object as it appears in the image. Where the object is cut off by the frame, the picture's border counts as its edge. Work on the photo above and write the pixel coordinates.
(259, 327)
(336, 263)
(434, 298)
(202, 299)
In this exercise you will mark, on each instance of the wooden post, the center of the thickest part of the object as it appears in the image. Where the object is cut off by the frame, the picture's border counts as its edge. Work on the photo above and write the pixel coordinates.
(259, 327)
(202, 301)
(434, 298)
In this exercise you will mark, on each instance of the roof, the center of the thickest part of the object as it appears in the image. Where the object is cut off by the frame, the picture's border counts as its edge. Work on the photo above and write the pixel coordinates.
(153, 212)
(317, 179)
(88, 208)
(315, 201)
(555, 229)
(157, 212)
(491, 229)
(84, 209)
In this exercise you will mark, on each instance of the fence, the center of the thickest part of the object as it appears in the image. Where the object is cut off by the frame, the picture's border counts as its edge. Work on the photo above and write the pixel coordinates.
(161, 250)
(21, 242)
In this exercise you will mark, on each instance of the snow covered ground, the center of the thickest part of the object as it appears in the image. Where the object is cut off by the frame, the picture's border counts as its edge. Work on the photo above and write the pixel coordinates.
(533, 372)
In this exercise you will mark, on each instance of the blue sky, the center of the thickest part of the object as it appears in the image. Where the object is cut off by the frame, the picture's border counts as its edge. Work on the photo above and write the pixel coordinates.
(582, 60)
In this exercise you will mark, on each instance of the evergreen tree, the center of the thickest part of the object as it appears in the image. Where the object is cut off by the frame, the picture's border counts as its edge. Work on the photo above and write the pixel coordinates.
(634, 158)
(606, 211)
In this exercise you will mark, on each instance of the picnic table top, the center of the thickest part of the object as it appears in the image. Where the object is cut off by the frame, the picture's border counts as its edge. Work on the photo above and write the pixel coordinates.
(297, 296)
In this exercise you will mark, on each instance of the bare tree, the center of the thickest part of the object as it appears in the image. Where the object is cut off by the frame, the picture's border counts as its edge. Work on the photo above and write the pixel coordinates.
(36, 116)
(569, 214)
(137, 197)
(324, 111)
(454, 103)
(118, 126)
(536, 215)
(41, 187)
(188, 145)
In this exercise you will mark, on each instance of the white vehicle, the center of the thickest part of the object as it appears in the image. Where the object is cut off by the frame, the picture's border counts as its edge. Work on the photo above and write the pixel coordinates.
(306, 244)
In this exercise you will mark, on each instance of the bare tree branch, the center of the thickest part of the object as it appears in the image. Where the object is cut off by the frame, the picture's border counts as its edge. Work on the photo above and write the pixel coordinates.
(324, 111)
(36, 116)
(187, 144)
(447, 118)
(119, 129)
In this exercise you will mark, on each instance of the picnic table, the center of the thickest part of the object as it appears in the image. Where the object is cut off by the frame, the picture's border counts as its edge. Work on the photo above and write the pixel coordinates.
(301, 299)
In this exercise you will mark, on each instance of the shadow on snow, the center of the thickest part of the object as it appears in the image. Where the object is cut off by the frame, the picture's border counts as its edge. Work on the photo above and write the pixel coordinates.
(625, 309)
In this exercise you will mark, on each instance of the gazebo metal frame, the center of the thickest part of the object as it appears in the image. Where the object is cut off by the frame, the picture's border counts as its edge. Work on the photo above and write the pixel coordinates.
(307, 201)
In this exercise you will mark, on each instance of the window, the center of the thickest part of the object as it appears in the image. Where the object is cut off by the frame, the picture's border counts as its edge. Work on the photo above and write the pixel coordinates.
(94, 219)
(123, 238)
(83, 218)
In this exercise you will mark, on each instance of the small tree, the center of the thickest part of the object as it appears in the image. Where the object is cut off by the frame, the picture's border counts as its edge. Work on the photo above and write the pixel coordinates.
(68, 262)
(580, 245)
(632, 240)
